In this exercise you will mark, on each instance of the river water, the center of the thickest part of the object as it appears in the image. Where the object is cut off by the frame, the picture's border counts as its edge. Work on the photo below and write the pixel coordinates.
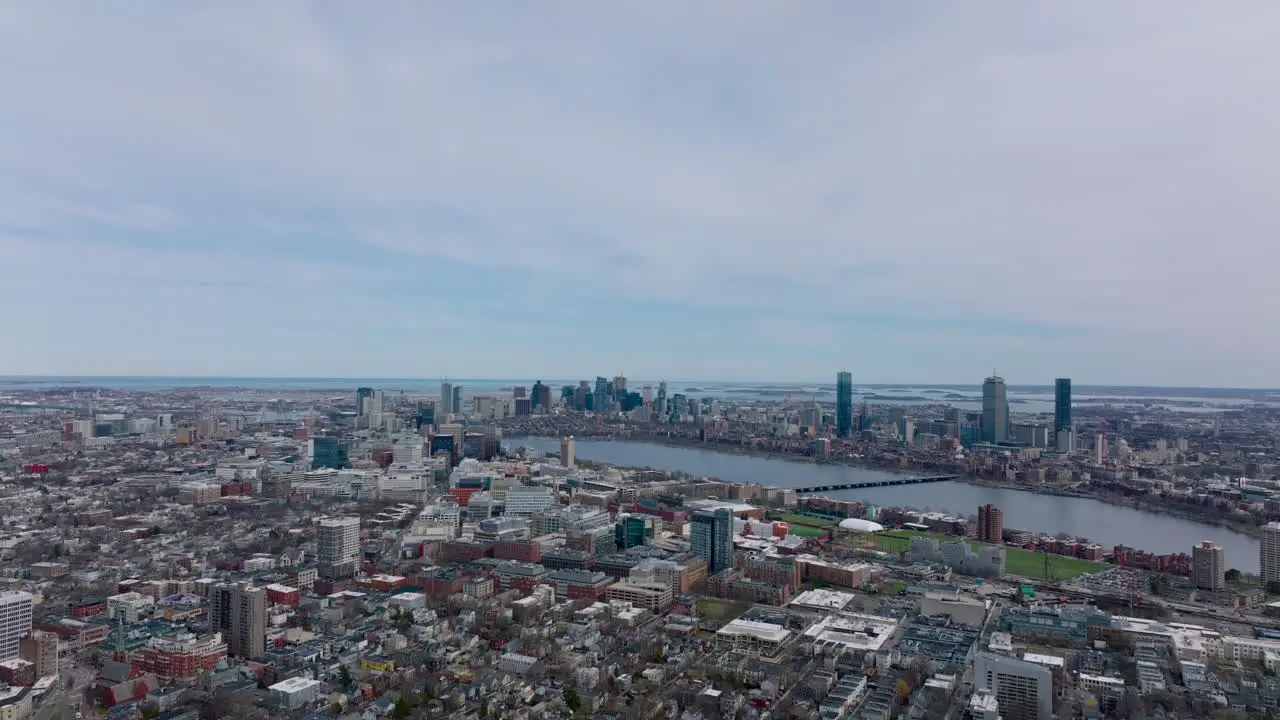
(1105, 524)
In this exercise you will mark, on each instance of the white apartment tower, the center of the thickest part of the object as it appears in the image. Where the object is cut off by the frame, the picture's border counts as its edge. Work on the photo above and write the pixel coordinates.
(1023, 690)
(338, 545)
(15, 621)
(1270, 553)
(1209, 566)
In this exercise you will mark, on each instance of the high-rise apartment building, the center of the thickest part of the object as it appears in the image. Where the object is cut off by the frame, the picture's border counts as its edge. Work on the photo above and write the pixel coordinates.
(1023, 690)
(15, 621)
(844, 403)
(1269, 549)
(1209, 566)
(711, 535)
(995, 410)
(239, 612)
(990, 524)
(446, 398)
(338, 546)
(567, 452)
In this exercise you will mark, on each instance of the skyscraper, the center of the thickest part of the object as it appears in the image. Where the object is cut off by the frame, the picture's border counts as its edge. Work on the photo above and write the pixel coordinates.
(990, 524)
(541, 396)
(15, 621)
(456, 404)
(844, 403)
(446, 398)
(567, 454)
(1061, 405)
(1269, 551)
(711, 535)
(995, 410)
(239, 612)
(362, 398)
(1209, 566)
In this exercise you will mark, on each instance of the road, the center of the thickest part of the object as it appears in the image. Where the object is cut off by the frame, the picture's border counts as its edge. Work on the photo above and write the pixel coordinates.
(62, 704)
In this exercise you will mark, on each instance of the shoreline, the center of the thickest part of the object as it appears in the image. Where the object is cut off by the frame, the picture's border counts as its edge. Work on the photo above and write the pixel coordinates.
(1129, 502)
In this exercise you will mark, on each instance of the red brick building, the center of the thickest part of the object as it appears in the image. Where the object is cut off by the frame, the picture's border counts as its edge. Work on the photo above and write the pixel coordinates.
(88, 607)
(522, 550)
(283, 595)
(180, 657)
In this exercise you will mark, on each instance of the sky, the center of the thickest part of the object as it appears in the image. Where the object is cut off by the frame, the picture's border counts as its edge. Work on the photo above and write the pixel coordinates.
(746, 190)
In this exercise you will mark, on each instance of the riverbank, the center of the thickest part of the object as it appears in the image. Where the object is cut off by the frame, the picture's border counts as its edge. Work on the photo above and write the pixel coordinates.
(1138, 503)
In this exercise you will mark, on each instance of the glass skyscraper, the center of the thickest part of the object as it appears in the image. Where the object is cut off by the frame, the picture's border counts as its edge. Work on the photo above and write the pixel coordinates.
(1061, 404)
(844, 403)
(328, 452)
(711, 534)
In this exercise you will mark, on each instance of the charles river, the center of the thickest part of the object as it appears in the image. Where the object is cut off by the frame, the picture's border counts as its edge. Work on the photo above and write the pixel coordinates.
(1105, 524)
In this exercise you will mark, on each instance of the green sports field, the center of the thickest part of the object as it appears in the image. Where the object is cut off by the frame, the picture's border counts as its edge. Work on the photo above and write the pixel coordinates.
(1025, 563)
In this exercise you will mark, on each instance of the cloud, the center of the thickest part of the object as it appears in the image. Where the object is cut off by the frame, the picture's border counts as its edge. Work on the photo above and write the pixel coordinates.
(1053, 189)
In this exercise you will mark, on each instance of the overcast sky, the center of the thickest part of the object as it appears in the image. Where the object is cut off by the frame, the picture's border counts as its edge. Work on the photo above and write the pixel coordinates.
(746, 190)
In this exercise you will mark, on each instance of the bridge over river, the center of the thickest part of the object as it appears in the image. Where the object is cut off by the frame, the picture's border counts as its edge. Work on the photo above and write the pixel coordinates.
(877, 483)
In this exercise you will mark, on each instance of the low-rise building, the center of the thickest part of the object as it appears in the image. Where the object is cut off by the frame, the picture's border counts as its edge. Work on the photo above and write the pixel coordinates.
(294, 693)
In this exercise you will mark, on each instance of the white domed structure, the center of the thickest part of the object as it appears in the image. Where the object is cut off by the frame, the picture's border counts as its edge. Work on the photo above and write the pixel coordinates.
(860, 526)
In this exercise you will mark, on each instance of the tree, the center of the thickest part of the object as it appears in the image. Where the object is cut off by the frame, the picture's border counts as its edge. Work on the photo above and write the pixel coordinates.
(403, 708)
(344, 677)
(1233, 576)
(572, 700)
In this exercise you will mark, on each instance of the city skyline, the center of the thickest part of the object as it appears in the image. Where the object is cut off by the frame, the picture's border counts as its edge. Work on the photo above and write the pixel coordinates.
(361, 194)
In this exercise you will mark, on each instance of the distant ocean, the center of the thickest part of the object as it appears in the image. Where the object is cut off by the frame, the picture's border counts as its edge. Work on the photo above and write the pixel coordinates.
(1024, 399)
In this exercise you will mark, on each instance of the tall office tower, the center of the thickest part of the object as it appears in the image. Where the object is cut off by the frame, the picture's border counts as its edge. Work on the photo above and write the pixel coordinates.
(1101, 453)
(602, 388)
(446, 398)
(1024, 690)
(1209, 566)
(239, 612)
(619, 387)
(711, 534)
(1269, 551)
(376, 402)
(990, 524)
(567, 455)
(363, 395)
(518, 392)
(844, 403)
(338, 542)
(1061, 404)
(15, 621)
(457, 399)
(995, 410)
